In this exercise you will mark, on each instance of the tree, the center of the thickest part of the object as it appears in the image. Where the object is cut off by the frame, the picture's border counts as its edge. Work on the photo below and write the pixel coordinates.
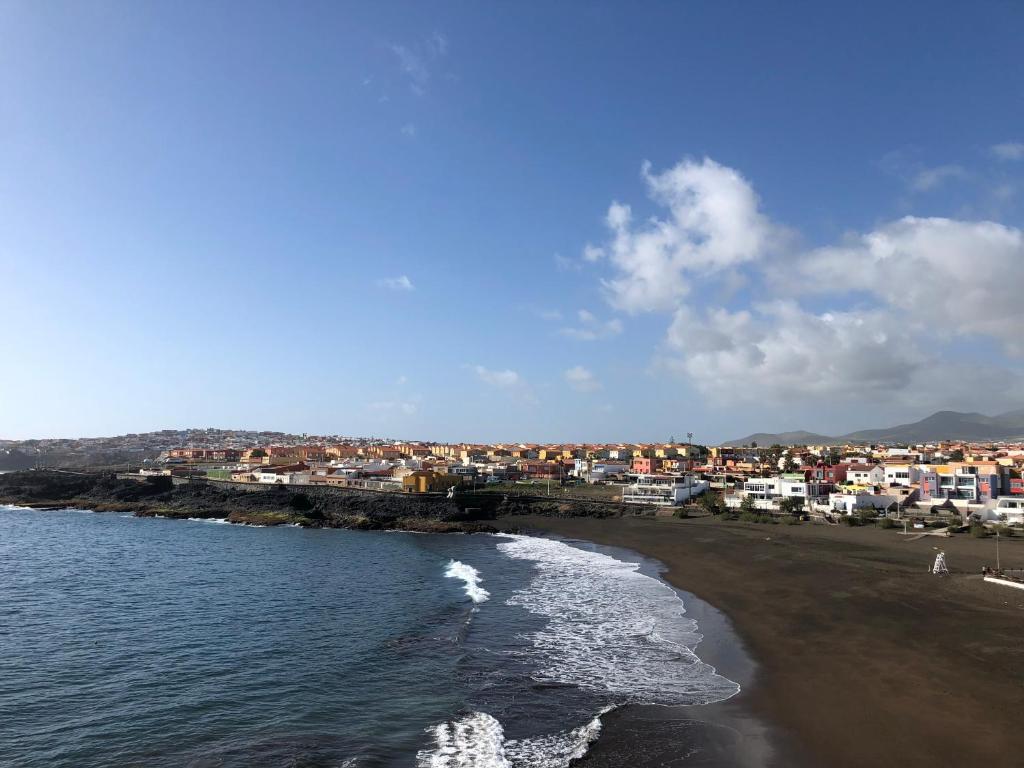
(710, 503)
(956, 455)
(791, 505)
(748, 505)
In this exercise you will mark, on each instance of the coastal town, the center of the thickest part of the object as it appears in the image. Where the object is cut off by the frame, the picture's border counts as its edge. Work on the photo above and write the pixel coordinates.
(972, 482)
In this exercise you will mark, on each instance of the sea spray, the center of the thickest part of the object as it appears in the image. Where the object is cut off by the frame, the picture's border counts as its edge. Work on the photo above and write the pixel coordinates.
(470, 577)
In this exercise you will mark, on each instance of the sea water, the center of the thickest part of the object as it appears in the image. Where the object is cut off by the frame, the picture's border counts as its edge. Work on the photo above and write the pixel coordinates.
(150, 642)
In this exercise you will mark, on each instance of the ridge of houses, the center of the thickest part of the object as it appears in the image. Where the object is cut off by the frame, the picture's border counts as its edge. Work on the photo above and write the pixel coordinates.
(984, 480)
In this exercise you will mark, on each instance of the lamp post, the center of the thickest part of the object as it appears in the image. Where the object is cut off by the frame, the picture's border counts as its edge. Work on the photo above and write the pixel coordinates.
(689, 467)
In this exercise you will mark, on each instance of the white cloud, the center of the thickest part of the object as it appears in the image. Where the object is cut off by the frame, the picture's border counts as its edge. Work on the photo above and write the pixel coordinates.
(506, 379)
(778, 351)
(394, 407)
(412, 64)
(565, 264)
(592, 253)
(400, 283)
(713, 223)
(590, 328)
(580, 379)
(890, 304)
(1009, 150)
(949, 277)
(416, 61)
(437, 44)
(927, 179)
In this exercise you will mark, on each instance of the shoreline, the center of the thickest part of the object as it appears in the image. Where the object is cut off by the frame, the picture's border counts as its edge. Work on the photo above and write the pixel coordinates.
(721, 734)
(863, 657)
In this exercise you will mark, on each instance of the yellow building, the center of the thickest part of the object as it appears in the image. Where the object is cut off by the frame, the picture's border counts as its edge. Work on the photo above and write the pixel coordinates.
(428, 481)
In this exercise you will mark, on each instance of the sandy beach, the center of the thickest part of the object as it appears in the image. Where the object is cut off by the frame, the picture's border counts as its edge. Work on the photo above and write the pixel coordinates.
(862, 657)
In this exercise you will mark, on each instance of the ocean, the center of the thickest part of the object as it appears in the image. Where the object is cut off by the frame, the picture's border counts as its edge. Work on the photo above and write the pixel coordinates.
(149, 642)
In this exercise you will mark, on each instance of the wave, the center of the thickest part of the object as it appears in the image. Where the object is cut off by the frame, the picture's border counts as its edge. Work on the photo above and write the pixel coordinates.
(219, 520)
(611, 629)
(477, 740)
(470, 577)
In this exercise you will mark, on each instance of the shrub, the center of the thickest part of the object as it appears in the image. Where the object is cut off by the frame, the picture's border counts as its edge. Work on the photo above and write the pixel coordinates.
(792, 520)
(978, 531)
(852, 520)
(1003, 530)
(887, 522)
(757, 517)
(681, 513)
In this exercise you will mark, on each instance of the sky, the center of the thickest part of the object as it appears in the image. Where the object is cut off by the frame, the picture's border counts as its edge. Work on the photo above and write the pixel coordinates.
(508, 222)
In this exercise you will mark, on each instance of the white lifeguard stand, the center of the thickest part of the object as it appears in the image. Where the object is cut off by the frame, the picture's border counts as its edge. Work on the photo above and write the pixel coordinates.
(939, 568)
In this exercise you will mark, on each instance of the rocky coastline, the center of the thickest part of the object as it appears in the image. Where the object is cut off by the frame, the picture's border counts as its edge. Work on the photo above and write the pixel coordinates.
(310, 507)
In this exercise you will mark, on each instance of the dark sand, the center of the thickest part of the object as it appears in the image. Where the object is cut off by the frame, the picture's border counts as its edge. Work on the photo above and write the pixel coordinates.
(863, 657)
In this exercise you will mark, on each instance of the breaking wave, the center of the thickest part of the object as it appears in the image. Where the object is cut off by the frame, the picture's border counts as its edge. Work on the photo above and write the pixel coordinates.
(478, 741)
(470, 577)
(609, 630)
(612, 629)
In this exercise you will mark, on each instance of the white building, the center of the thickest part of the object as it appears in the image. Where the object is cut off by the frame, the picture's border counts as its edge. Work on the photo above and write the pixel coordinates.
(1008, 510)
(767, 492)
(900, 474)
(850, 499)
(662, 490)
(870, 474)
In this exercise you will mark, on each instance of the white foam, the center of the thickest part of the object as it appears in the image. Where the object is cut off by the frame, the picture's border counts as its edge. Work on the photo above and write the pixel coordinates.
(478, 741)
(611, 628)
(475, 741)
(470, 577)
(219, 520)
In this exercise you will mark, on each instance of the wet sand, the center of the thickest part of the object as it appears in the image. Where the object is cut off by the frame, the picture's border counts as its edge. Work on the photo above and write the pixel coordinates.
(862, 657)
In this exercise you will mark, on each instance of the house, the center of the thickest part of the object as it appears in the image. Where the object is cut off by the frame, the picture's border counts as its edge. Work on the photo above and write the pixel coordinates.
(900, 474)
(853, 497)
(767, 492)
(428, 481)
(973, 483)
(1009, 510)
(287, 474)
(865, 474)
(539, 469)
(644, 465)
(662, 490)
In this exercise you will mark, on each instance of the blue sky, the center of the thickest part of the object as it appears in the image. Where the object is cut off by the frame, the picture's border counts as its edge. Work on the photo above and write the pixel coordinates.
(411, 219)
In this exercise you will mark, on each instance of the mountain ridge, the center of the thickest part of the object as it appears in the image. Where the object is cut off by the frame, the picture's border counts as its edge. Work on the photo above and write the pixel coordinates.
(941, 425)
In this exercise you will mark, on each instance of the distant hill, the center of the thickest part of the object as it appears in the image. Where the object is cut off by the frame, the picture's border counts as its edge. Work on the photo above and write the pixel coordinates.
(942, 425)
(798, 437)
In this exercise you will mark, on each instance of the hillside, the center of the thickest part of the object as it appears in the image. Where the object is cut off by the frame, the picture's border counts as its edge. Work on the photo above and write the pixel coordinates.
(942, 425)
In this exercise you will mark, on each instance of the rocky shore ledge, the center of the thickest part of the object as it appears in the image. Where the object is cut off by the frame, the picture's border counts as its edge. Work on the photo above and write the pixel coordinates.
(280, 505)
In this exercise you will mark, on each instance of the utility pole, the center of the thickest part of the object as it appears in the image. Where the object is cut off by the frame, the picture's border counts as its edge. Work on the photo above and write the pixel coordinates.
(998, 569)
